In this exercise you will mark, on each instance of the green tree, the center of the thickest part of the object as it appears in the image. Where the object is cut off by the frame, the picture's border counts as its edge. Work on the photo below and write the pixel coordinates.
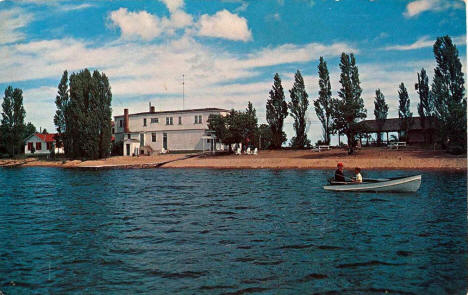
(265, 136)
(276, 111)
(349, 108)
(448, 92)
(404, 110)
(425, 105)
(13, 127)
(61, 101)
(29, 129)
(45, 131)
(380, 113)
(298, 109)
(86, 115)
(252, 125)
(323, 105)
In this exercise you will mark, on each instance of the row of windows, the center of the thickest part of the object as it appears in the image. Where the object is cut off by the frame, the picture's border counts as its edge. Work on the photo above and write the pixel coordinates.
(153, 136)
(39, 146)
(169, 121)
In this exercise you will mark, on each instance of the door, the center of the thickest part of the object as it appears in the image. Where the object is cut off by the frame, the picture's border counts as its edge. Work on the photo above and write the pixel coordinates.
(165, 141)
(142, 139)
(128, 149)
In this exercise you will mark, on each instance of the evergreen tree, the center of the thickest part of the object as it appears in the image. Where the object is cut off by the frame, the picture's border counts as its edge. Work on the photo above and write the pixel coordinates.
(61, 101)
(252, 127)
(323, 105)
(265, 136)
(404, 110)
(276, 111)
(45, 131)
(425, 105)
(13, 127)
(298, 109)
(86, 115)
(30, 129)
(8, 120)
(448, 92)
(349, 108)
(380, 113)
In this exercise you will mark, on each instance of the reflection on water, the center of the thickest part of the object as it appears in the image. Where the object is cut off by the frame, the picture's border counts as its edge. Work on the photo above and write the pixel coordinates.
(195, 231)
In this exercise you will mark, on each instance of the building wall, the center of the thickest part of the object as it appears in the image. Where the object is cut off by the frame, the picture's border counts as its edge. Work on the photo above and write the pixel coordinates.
(184, 136)
(34, 140)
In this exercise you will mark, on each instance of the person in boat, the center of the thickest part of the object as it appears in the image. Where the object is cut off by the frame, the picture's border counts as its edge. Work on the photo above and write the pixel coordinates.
(339, 173)
(358, 177)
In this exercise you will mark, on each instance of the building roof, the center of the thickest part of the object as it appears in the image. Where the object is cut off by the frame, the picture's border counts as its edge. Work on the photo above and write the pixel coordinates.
(177, 111)
(49, 137)
(394, 124)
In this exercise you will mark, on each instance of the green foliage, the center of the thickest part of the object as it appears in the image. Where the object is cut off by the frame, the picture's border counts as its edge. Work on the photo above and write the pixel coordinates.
(84, 115)
(12, 127)
(349, 108)
(425, 105)
(448, 92)
(61, 101)
(323, 105)
(380, 113)
(236, 127)
(404, 110)
(265, 136)
(298, 108)
(29, 129)
(276, 111)
(44, 131)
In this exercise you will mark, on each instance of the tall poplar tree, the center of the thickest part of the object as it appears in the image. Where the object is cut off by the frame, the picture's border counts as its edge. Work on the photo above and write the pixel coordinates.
(349, 108)
(13, 115)
(61, 102)
(448, 92)
(276, 111)
(380, 113)
(323, 105)
(404, 110)
(425, 105)
(298, 109)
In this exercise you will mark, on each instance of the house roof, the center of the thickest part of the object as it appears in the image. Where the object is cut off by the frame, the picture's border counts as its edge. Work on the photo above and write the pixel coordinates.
(394, 124)
(49, 137)
(178, 111)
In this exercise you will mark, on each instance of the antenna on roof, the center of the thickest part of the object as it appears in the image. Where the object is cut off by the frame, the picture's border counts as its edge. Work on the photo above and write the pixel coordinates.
(183, 91)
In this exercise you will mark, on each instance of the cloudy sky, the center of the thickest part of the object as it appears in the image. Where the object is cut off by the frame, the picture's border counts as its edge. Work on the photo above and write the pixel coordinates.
(228, 50)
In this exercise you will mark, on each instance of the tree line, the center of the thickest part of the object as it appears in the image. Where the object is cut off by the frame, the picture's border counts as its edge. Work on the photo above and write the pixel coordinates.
(441, 107)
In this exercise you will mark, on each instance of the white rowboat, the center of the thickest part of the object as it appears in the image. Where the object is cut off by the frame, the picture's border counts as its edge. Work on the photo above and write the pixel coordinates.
(396, 185)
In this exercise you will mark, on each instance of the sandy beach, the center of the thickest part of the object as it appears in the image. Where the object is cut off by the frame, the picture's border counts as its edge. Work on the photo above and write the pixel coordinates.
(367, 158)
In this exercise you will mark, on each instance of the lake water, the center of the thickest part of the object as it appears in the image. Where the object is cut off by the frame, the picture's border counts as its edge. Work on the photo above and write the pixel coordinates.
(196, 231)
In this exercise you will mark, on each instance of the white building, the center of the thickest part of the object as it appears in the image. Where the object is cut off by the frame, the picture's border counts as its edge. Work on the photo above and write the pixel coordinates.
(41, 144)
(182, 130)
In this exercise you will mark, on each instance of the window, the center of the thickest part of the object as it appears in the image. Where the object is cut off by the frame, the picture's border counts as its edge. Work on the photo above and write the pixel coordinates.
(49, 146)
(154, 120)
(153, 137)
(144, 121)
(30, 146)
(121, 123)
(198, 119)
(180, 120)
(169, 121)
(128, 136)
(38, 146)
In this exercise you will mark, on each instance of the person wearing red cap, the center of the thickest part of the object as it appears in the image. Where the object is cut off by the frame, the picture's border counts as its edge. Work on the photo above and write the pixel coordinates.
(339, 173)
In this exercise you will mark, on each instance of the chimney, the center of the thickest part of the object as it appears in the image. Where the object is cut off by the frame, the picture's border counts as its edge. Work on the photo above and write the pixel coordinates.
(126, 129)
(151, 108)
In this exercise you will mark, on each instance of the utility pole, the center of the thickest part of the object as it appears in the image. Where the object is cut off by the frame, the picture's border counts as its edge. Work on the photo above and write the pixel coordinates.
(183, 91)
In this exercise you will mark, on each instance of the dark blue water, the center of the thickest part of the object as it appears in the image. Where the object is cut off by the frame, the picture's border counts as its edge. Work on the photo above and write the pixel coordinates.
(189, 231)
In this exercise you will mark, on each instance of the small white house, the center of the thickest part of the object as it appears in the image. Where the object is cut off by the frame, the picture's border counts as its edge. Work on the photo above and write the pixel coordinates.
(41, 144)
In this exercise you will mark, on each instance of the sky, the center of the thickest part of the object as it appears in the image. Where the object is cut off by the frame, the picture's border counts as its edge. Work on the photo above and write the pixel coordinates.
(228, 50)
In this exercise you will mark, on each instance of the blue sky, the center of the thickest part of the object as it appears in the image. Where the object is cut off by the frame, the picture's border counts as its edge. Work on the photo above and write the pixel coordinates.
(228, 50)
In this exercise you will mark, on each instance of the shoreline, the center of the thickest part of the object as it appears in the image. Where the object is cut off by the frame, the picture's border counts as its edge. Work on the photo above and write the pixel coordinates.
(366, 159)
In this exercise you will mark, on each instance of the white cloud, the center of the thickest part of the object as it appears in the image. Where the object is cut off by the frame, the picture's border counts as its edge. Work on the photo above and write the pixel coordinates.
(131, 24)
(11, 23)
(173, 5)
(224, 25)
(419, 6)
(71, 7)
(424, 42)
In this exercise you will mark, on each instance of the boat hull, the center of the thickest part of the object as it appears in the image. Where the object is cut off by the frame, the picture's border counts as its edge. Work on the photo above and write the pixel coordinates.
(402, 185)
